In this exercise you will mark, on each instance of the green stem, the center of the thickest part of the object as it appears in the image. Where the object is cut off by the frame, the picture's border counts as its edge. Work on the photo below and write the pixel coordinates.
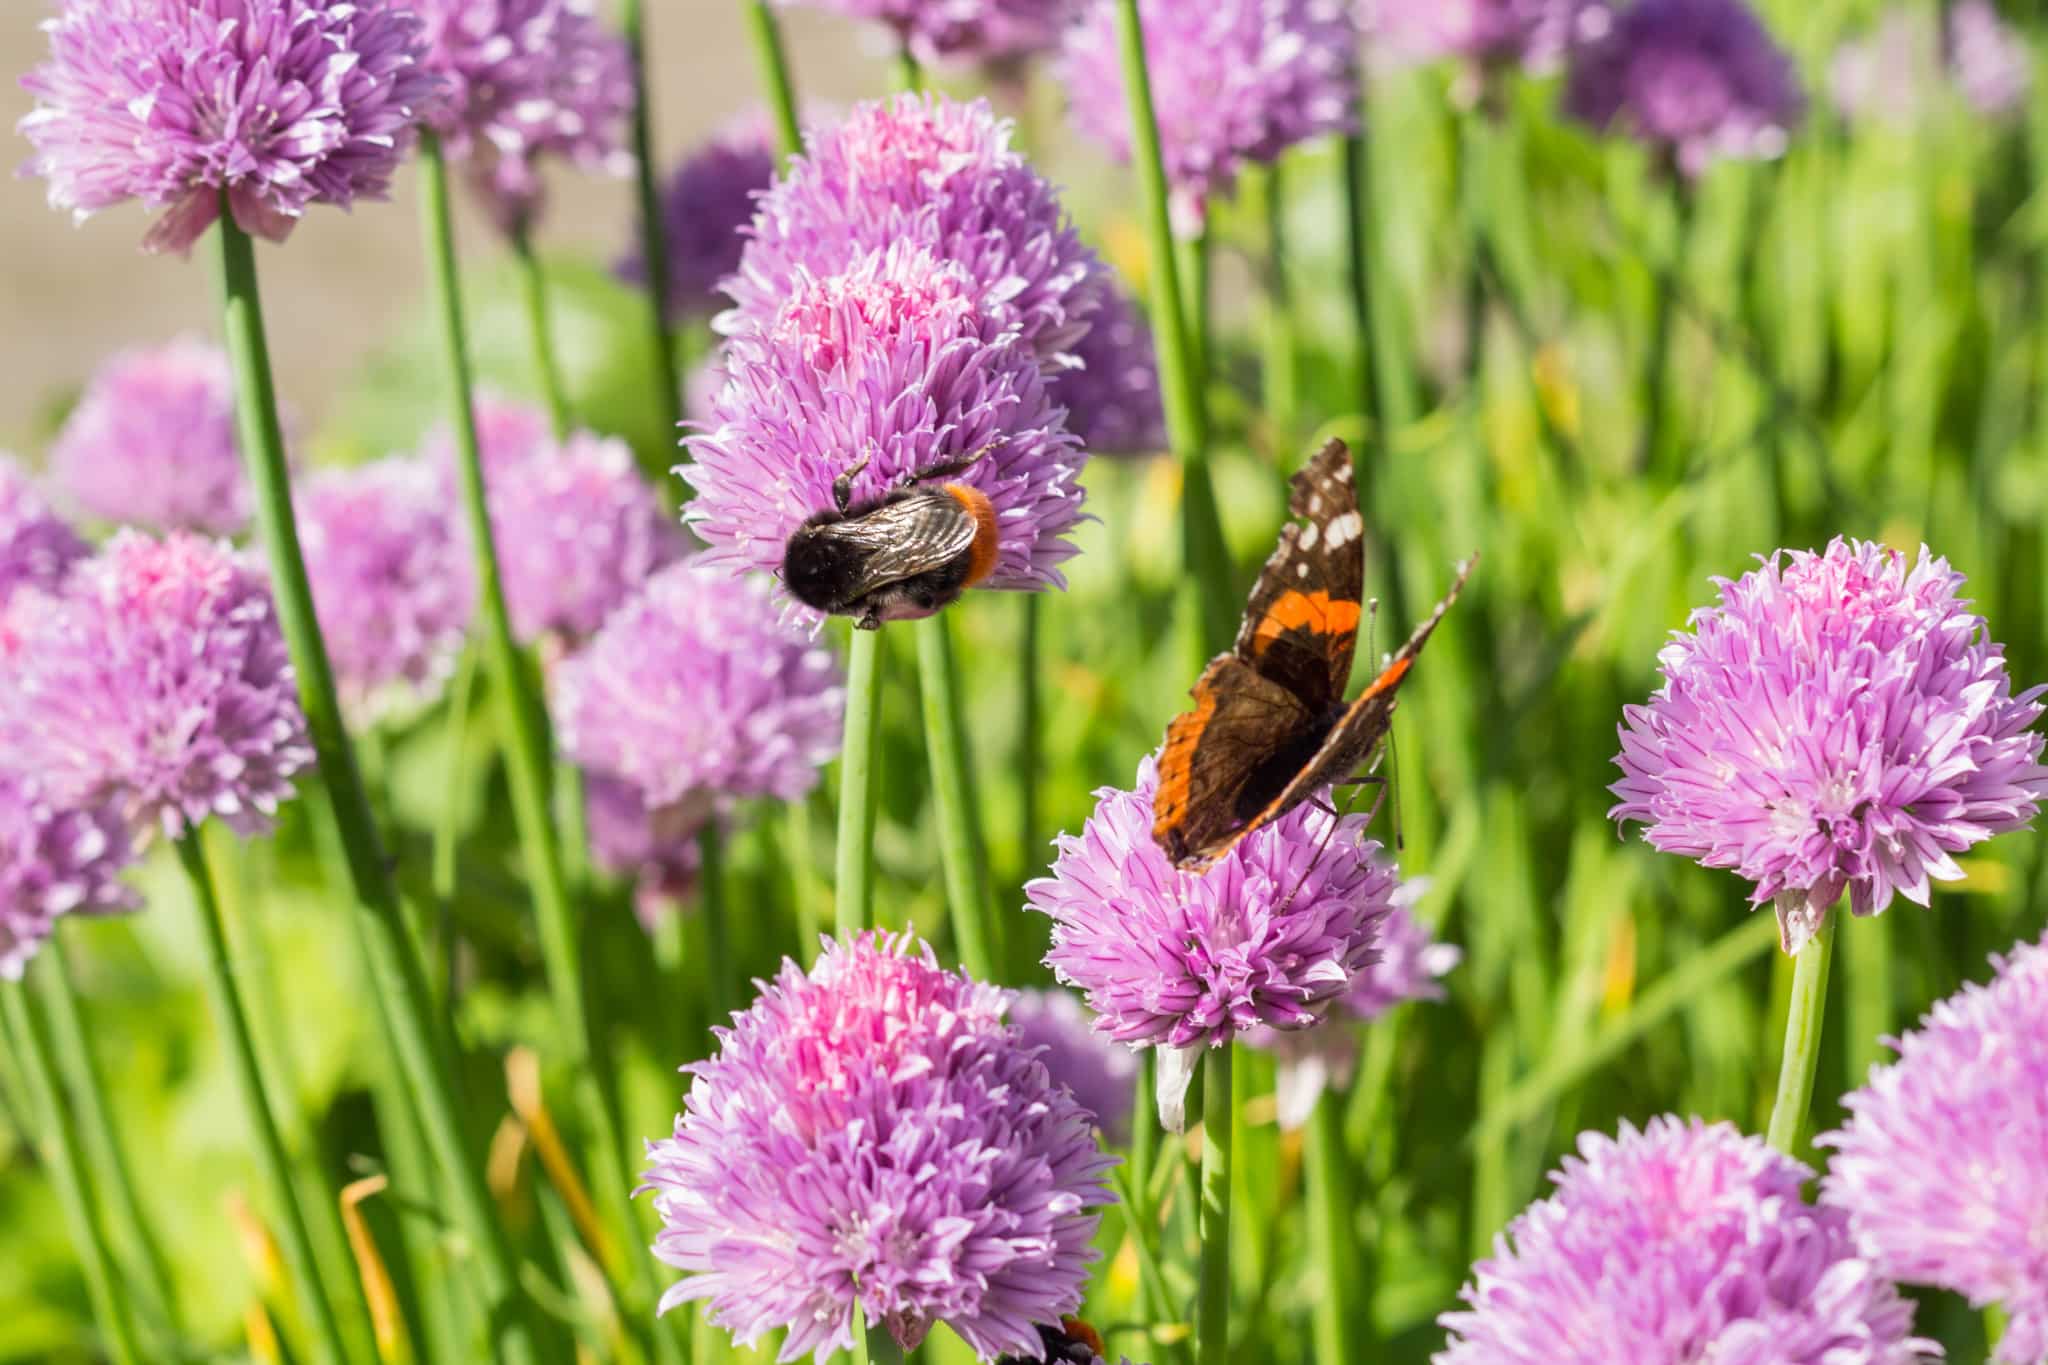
(1208, 599)
(56, 1141)
(392, 969)
(149, 1273)
(1663, 320)
(1867, 1006)
(961, 855)
(1030, 734)
(1802, 1038)
(231, 1017)
(1331, 1210)
(774, 63)
(872, 1344)
(522, 714)
(573, 814)
(540, 330)
(1195, 258)
(1212, 1321)
(1995, 1320)
(804, 886)
(859, 759)
(909, 78)
(711, 900)
(1282, 370)
(666, 378)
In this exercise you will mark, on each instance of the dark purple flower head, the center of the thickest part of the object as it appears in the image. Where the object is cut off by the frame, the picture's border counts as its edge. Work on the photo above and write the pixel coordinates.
(1682, 1243)
(54, 861)
(705, 209)
(158, 682)
(1113, 401)
(281, 103)
(152, 442)
(1233, 81)
(1102, 1074)
(694, 690)
(923, 169)
(1695, 79)
(891, 361)
(962, 30)
(1271, 934)
(1989, 58)
(391, 576)
(577, 529)
(1490, 34)
(37, 548)
(873, 1130)
(1840, 721)
(527, 80)
(1943, 1164)
(656, 848)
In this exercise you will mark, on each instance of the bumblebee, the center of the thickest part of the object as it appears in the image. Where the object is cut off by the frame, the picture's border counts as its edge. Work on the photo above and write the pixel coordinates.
(1073, 1342)
(898, 557)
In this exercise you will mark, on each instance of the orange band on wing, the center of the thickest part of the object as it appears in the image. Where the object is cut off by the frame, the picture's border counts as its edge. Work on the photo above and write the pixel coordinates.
(981, 560)
(1389, 678)
(1170, 802)
(1311, 611)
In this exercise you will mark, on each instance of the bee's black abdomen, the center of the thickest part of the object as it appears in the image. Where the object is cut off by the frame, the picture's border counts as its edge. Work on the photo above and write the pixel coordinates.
(821, 569)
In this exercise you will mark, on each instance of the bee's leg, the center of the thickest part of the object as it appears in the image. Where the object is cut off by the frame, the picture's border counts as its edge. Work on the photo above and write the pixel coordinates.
(948, 470)
(842, 487)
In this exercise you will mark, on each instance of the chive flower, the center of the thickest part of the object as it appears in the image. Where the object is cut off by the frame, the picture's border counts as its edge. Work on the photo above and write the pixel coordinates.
(1841, 721)
(1696, 80)
(159, 683)
(1234, 83)
(391, 576)
(1942, 1166)
(1990, 60)
(1101, 1074)
(527, 81)
(275, 104)
(1272, 934)
(1112, 397)
(994, 31)
(655, 848)
(54, 861)
(151, 442)
(873, 1131)
(37, 547)
(706, 206)
(1488, 35)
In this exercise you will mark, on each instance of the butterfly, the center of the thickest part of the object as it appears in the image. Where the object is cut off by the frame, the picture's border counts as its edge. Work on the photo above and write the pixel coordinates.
(1270, 727)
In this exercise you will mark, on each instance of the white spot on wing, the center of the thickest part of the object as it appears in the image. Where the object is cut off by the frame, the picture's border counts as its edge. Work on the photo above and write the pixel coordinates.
(1345, 529)
(1301, 571)
(1307, 540)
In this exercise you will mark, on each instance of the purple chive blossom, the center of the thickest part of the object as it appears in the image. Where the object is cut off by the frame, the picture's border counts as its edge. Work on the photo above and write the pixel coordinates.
(1113, 401)
(1407, 965)
(1839, 721)
(1697, 80)
(152, 442)
(54, 862)
(1943, 1164)
(1989, 58)
(657, 849)
(890, 361)
(705, 209)
(37, 548)
(961, 30)
(923, 169)
(1491, 35)
(280, 103)
(1272, 934)
(577, 529)
(1890, 74)
(527, 80)
(1233, 82)
(874, 1130)
(391, 578)
(1684, 1242)
(159, 682)
(693, 690)
(1101, 1073)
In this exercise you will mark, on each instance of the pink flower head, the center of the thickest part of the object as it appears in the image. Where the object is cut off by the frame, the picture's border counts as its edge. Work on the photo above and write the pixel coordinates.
(892, 361)
(1233, 82)
(1990, 60)
(1102, 1074)
(962, 30)
(281, 104)
(159, 683)
(657, 847)
(1841, 721)
(1272, 934)
(37, 548)
(152, 442)
(1943, 1164)
(694, 691)
(874, 1131)
(1489, 34)
(1682, 1243)
(54, 861)
(527, 80)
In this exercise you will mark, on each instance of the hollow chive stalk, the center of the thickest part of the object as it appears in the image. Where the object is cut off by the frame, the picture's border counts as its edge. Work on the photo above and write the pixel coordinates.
(231, 1017)
(1281, 372)
(63, 1155)
(1802, 1038)
(853, 893)
(962, 855)
(540, 331)
(390, 966)
(524, 719)
(1331, 1211)
(667, 379)
(1212, 1306)
(1207, 600)
(774, 64)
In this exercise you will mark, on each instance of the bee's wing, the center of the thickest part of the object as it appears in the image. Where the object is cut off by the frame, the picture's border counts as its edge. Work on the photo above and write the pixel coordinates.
(902, 539)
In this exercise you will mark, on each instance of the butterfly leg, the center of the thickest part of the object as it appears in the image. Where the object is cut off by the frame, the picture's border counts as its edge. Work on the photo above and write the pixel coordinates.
(842, 487)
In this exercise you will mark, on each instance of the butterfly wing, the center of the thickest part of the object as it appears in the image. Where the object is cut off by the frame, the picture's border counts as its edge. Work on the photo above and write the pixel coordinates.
(1301, 624)
(1214, 751)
